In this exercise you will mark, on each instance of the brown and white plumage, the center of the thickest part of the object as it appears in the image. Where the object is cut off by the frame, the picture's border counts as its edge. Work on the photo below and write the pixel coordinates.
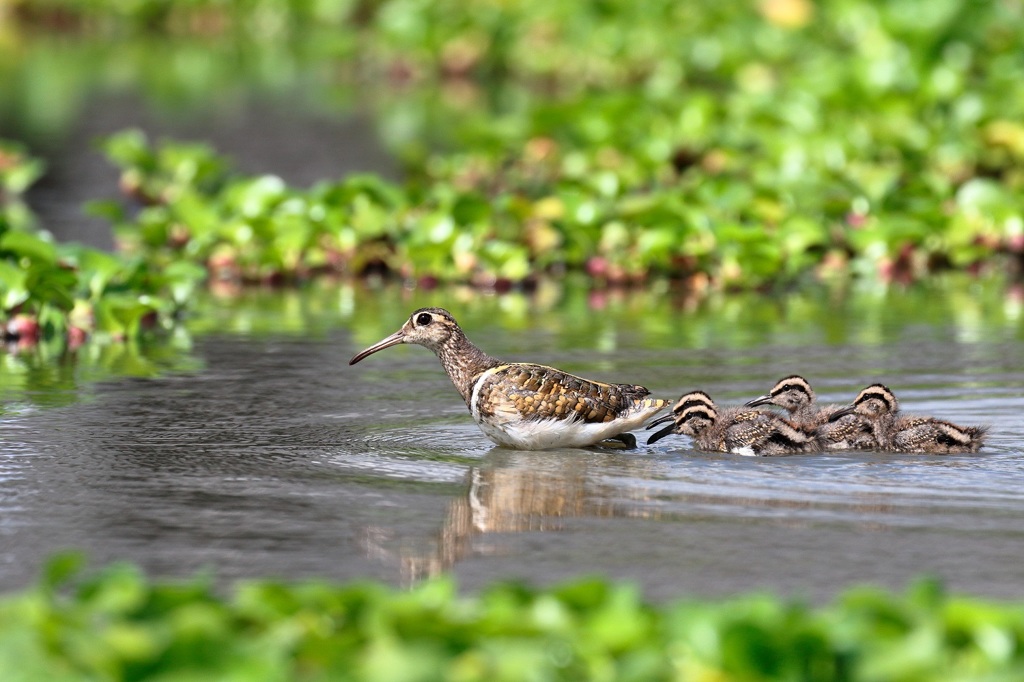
(732, 429)
(864, 424)
(876, 410)
(795, 395)
(523, 405)
(846, 431)
(937, 436)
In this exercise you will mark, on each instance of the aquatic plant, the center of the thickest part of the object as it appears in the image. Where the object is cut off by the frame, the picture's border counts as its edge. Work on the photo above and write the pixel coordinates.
(119, 625)
(741, 146)
(745, 142)
(729, 145)
(70, 291)
(495, 222)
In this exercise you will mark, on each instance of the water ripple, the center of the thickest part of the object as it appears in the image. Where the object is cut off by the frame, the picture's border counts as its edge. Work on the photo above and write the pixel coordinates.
(279, 459)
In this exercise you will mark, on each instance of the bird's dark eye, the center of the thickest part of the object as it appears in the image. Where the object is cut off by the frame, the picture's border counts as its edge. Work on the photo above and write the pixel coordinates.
(423, 319)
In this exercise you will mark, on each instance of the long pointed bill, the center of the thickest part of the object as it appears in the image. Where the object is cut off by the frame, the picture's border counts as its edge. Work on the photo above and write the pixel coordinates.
(661, 434)
(758, 401)
(660, 420)
(393, 340)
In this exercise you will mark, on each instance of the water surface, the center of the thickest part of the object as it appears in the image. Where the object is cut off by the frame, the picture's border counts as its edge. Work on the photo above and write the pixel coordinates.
(265, 454)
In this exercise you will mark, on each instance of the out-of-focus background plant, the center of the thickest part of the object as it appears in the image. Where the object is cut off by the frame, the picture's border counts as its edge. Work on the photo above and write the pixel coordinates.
(726, 145)
(118, 625)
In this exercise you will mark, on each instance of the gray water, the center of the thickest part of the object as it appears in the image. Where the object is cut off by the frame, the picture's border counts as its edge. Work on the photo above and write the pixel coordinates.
(272, 457)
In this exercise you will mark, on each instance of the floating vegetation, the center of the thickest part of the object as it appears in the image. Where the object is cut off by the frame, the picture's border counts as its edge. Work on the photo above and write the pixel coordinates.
(723, 146)
(119, 625)
(69, 291)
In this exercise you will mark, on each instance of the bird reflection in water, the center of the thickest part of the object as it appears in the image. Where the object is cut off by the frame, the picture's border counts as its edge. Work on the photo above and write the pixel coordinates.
(517, 492)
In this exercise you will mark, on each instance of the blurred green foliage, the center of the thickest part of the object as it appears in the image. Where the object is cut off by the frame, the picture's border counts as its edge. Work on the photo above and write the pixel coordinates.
(118, 625)
(729, 145)
(738, 143)
(69, 291)
(18, 171)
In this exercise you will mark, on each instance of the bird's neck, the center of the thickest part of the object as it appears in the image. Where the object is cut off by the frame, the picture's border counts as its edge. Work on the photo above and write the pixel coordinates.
(464, 362)
(881, 426)
(805, 412)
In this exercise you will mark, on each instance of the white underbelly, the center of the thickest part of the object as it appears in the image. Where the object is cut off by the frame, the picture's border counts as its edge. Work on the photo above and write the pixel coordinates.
(544, 434)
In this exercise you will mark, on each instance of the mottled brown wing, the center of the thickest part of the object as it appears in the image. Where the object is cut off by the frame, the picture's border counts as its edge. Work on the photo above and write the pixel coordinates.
(922, 434)
(746, 416)
(852, 428)
(909, 422)
(539, 392)
(921, 437)
(749, 428)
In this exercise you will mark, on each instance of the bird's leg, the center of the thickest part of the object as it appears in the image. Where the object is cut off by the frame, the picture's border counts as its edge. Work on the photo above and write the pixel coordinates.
(628, 441)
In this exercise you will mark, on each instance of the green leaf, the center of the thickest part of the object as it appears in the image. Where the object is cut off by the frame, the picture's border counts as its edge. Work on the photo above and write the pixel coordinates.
(97, 269)
(29, 246)
(13, 285)
(129, 149)
(52, 285)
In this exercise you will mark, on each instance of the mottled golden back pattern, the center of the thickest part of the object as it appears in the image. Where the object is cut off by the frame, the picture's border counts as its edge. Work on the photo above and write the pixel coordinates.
(541, 392)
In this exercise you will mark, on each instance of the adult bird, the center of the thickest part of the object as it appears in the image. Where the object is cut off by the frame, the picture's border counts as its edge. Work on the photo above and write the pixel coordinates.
(524, 405)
